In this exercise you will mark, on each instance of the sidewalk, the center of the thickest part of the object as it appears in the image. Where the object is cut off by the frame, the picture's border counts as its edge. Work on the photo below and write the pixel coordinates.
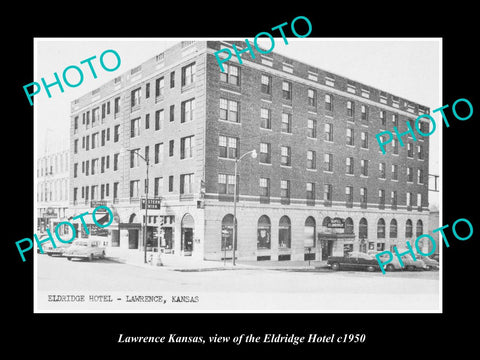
(187, 263)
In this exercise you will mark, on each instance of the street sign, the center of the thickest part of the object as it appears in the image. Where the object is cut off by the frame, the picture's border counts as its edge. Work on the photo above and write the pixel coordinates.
(153, 204)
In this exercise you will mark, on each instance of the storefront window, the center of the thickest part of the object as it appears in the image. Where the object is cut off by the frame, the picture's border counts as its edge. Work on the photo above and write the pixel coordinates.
(363, 228)
(381, 229)
(263, 232)
(309, 232)
(284, 233)
(227, 232)
(348, 226)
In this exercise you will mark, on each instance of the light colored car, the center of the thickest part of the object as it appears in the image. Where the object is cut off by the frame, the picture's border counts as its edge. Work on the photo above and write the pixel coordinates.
(59, 250)
(83, 249)
(410, 264)
(429, 262)
(394, 264)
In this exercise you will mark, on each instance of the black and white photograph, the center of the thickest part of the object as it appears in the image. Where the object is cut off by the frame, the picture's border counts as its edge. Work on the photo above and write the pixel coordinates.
(164, 132)
(253, 182)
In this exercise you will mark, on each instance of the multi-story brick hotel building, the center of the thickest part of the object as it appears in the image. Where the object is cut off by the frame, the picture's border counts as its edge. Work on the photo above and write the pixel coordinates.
(319, 186)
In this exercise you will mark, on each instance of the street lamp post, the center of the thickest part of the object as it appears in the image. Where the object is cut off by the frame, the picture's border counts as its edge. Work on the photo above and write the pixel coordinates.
(146, 209)
(254, 155)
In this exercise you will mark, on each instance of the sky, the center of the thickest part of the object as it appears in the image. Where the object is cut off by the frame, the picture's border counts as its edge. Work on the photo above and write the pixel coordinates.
(409, 68)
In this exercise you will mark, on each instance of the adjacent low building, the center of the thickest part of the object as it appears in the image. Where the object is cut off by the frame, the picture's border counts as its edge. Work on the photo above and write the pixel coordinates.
(319, 186)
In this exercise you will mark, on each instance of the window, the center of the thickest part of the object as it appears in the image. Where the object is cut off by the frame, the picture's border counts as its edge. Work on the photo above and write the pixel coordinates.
(393, 228)
(103, 137)
(363, 195)
(266, 84)
(328, 132)
(95, 141)
(311, 159)
(75, 169)
(265, 122)
(328, 162)
(394, 172)
(312, 128)
(159, 87)
(410, 174)
(287, 90)
(410, 150)
(327, 192)
(188, 74)
(284, 233)
(420, 176)
(170, 183)
(363, 228)
(227, 233)
(328, 102)
(115, 161)
(408, 229)
(159, 117)
(409, 199)
(395, 146)
(186, 184)
(135, 127)
(172, 113)
(312, 97)
(108, 108)
(135, 97)
(381, 170)
(420, 152)
(171, 145)
(419, 229)
(172, 79)
(75, 125)
(226, 184)
(395, 120)
(350, 137)
(348, 226)
(147, 121)
(383, 117)
(158, 186)
(134, 189)
(419, 200)
(285, 156)
(349, 162)
(116, 106)
(115, 190)
(228, 147)
(75, 146)
(350, 108)
(229, 110)
(265, 153)
(309, 232)
(286, 123)
(230, 75)
(186, 147)
(394, 198)
(364, 110)
(147, 90)
(285, 189)
(264, 187)
(102, 165)
(349, 194)
(364, 139)
(158, 153)
(263, 232)
(381, 197)
(187, 110)
(116, 133)
(310, 191)
(381, 229)
(95, 116)
(364, 167)
(134, 158)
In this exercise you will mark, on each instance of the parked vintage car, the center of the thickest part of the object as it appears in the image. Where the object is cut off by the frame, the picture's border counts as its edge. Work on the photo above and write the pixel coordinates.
(430, 263)
(353, 260)
(394, 264)
(83, 249)
(410, 264)
(59, 250)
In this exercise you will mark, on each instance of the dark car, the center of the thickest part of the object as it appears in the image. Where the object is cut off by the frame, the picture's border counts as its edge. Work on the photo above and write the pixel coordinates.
(353, 260)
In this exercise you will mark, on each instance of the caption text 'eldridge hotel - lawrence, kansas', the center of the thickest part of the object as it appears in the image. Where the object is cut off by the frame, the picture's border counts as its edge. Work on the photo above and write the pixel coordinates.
(319, 186)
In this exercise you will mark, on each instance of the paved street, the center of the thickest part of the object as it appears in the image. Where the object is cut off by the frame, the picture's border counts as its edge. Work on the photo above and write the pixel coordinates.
(321, 289)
